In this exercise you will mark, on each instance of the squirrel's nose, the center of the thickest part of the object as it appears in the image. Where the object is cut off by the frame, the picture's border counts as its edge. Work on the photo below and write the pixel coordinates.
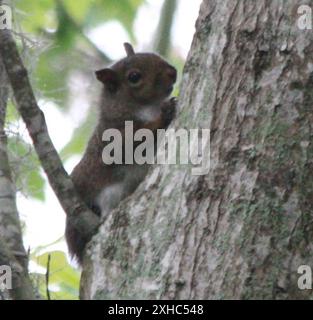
(172, 74)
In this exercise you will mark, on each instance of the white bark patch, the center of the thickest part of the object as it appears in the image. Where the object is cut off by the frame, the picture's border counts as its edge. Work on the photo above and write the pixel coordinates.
(101, 276)
(241, 107)
(242, 183)
(152, 178)
(269, 78)
(138, 210)
(198, 101)
(168, 190)
(292, 211)
(302, 44)
(263, 247)
(167, 259)
(134, 242)
(291, 206)
(304, 144)
(146, 284)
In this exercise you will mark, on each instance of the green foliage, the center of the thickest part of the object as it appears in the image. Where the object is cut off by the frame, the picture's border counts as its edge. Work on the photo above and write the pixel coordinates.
(78, 10)
(35, 16)
(63, 279)
(70, 17)
(51, 75)
(80, 138)
(12, 115)
(123, 11)
(64, 23)
(26, 168)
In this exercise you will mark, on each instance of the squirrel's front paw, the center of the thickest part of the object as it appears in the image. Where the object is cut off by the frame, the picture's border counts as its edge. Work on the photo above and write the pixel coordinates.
(169, 111)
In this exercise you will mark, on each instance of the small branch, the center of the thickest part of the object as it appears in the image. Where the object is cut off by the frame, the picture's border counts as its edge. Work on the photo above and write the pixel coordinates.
(47, 277)
(84, 220)
(163, 33)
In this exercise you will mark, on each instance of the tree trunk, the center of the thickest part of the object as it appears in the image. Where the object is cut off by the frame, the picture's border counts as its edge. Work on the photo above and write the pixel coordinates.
(12, 252)
(242, 230)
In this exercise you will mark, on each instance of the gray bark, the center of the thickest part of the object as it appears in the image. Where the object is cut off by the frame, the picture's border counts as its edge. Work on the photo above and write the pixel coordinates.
(242, 230)
(12, 252)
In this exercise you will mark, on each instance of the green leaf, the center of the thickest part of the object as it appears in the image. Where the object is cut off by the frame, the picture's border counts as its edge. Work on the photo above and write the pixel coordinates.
(52, 72)
(25, 168)
(35, 15)
(12, 114)
(77, 9)
(61, 275)
(36, 183)
(80, 137)
(66, 32)
(123, 11)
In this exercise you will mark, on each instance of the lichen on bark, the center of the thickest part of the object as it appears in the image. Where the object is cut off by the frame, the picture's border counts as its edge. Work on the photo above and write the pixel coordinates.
(242, 230)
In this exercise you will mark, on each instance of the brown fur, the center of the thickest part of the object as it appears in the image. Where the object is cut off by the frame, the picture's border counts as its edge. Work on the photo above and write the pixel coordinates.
(121, 101)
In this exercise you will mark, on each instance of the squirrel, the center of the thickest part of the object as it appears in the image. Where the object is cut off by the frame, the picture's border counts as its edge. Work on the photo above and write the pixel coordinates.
(137, 89)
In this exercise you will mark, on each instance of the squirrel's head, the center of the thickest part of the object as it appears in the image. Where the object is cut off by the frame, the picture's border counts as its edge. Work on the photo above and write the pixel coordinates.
(142, 78)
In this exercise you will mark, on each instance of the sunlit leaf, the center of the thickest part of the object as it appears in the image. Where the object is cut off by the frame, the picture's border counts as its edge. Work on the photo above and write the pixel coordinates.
(80, 138)
(123, 10)
(77, 9)
(26, 168)
(66, 32)
(35, 15)
(12, 114)
(61, 274)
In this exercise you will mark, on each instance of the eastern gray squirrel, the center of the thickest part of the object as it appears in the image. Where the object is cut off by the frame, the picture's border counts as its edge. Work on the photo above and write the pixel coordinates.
(137, 89)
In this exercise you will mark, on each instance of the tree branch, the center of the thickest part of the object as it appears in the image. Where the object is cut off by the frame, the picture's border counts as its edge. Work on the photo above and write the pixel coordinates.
(163, 32)
(84, 220)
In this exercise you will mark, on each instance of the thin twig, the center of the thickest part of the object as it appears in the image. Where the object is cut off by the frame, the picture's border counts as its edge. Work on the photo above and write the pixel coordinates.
(47, 277)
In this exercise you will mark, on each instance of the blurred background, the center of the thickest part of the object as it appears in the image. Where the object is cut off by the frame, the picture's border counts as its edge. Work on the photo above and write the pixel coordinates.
(63, 42)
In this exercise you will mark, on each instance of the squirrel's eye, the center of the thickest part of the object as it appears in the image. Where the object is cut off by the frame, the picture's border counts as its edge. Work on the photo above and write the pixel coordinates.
(134, 77)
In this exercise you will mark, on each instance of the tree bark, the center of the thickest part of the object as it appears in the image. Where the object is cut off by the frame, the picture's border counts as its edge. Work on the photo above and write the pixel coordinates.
(12, 252)
(241, 231)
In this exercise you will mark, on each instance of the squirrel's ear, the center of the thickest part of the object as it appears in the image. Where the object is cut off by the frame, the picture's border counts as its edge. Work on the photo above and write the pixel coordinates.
(109, 78)
(129, 49)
